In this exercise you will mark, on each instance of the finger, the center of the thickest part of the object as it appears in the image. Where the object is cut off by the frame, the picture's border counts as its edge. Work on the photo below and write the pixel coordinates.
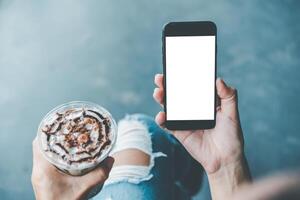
(187, 138)
(218, 104)
(158, 80)
(35, 150)
(224, 91)
(228, 98)
(98, 175)
(160, 118)
(158, 95)
(38, 158)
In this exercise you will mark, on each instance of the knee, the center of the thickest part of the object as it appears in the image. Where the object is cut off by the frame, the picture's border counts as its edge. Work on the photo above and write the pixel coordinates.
(131, 156)
(141, 131)
(133, 139)
(132, 152)
(153, 129)
(147, 120)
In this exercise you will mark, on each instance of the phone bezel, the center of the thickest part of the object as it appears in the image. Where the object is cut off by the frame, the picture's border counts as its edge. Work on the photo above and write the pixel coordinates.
(195, 28)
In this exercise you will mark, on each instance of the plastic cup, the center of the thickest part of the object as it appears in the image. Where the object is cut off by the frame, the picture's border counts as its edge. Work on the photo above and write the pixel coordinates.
(63, 165)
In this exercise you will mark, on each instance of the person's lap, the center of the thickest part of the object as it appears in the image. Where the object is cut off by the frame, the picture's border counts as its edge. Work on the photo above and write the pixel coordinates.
(170, 162)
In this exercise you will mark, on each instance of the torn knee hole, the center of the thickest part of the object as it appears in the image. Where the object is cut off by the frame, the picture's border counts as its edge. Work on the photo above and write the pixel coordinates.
(131, 156)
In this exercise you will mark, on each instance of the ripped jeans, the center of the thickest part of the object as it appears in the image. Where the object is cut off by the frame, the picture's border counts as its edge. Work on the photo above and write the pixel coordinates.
(169, 162)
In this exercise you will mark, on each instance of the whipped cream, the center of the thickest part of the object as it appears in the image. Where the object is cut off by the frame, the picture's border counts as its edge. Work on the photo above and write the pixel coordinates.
(76, 137)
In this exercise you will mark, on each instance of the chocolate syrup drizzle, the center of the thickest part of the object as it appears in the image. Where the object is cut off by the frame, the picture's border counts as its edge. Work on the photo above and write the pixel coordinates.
(76, 127)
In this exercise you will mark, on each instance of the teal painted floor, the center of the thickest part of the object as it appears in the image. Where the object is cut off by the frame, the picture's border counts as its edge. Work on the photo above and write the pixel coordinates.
(108, 51)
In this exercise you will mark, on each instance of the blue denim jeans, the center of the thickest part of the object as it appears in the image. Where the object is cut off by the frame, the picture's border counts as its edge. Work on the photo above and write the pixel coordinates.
(167, 171)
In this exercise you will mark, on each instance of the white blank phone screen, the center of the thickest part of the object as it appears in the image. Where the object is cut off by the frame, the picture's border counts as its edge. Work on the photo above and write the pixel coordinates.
(190, 77)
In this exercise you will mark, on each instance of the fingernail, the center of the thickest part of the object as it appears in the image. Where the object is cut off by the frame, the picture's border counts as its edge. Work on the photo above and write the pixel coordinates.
(221, 79)
(109, 161)
(155, 77)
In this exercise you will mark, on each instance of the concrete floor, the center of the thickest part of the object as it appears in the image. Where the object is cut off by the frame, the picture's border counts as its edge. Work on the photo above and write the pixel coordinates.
(107, 52)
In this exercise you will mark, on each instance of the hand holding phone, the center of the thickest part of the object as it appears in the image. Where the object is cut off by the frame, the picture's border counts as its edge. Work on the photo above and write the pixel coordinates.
(219, 150)
(212, 135)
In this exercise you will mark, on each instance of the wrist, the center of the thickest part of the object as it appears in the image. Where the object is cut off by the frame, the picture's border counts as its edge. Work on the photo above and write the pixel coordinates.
(42, 193)
(228, 178)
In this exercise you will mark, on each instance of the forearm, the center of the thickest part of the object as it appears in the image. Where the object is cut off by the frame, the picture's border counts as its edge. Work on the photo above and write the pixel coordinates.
(228, 179)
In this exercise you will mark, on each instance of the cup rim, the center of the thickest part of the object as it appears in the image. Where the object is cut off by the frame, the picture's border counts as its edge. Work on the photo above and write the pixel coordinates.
(113, 134)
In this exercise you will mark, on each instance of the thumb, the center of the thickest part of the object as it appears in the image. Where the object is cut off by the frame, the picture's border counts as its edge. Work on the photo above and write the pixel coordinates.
(100, 174)
(228, 98)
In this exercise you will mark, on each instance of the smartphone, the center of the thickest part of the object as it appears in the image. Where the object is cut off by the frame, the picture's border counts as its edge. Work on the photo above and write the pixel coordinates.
(189, 60)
